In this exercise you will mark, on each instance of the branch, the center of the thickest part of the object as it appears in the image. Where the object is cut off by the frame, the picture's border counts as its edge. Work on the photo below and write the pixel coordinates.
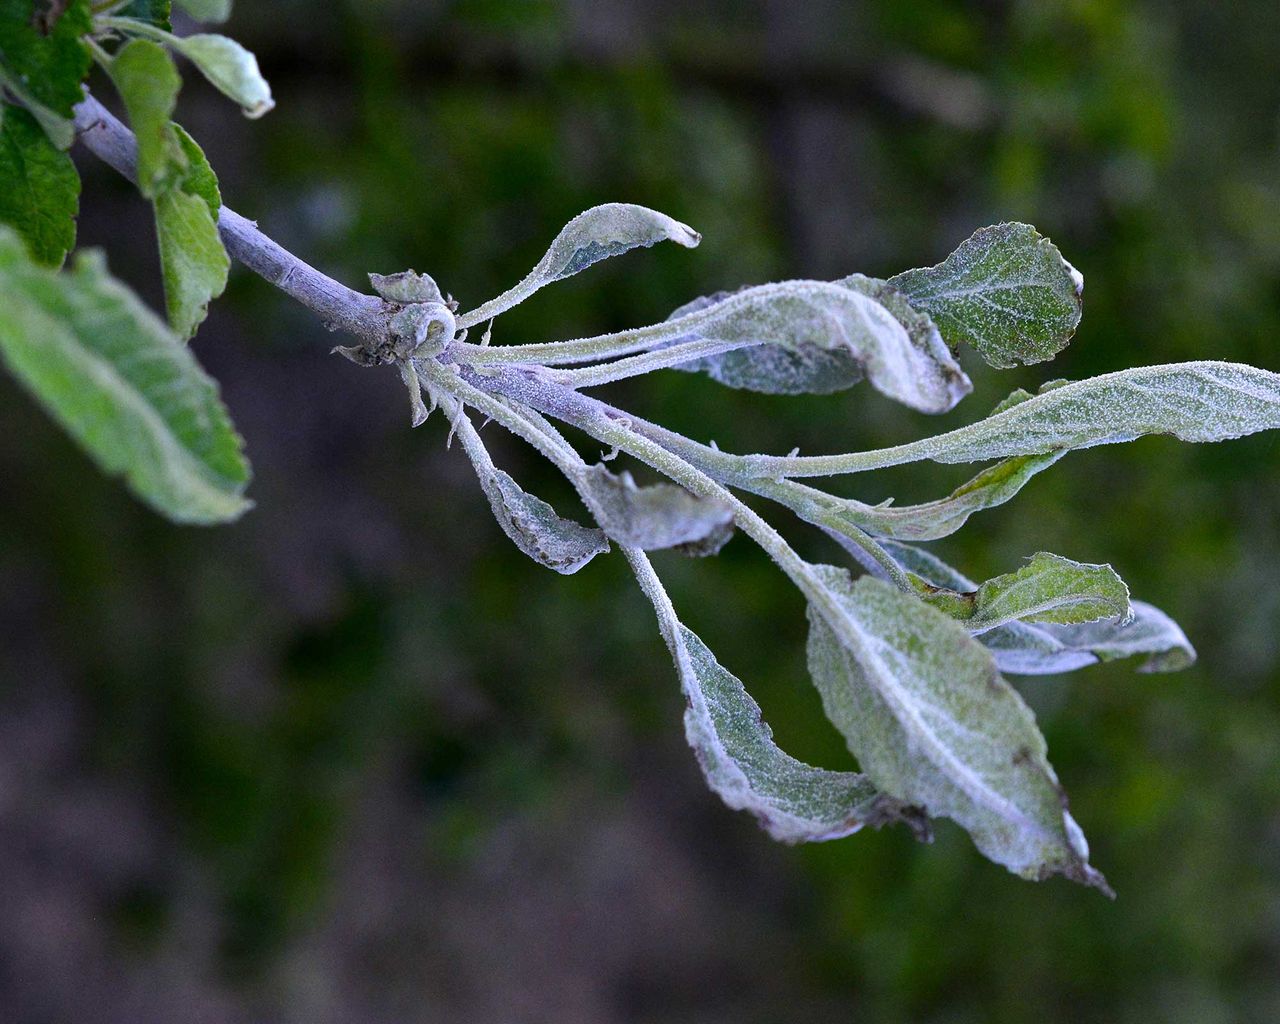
(340, 307)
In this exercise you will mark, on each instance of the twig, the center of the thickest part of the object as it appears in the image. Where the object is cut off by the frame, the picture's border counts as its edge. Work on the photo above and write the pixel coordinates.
(340, 307)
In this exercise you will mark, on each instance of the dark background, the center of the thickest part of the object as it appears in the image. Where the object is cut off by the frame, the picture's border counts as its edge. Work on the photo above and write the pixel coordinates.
(356, 759)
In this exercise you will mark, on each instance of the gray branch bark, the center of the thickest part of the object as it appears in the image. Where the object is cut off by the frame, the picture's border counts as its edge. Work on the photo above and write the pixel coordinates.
(340, 307)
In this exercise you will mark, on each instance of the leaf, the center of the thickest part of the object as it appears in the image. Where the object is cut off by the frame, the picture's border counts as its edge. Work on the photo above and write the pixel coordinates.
(592, 236)
(794, 802)
(193, 261)
(652, 517)
(207, 10)
(43, 63)
(148, 82)
(1044, 649)
(792, 323)
(933, 724)
(231, 68)
(39, 187)
(120, 383)
(532, 524)
(199, 180)
(1197, 401)
(1049, 588)
(1006, 291)
(798, 369)
(406, 287)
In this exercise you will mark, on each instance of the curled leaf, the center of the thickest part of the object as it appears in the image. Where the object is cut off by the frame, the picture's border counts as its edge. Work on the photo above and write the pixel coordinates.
(406, 287)
(592, 236)
(533, 525)
(933, 724)
(1049, 588)
(231, 69)
(654, 516)
(794, 802)
(819, 336)
(1006, 291)
(1046, 649)
(207, 10)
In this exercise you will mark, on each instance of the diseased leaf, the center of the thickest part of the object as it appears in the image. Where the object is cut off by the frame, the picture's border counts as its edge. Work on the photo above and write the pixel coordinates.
(1047, 649)
(1049, 588)
(148, 82)
(208, 11)
(1197, 401)
(651, 517)
(592, 236)
(39, 187)
(45, 63)
(804, 319)
(1006, 291)
(406, 287)
(532, 524)
(794, 802)
(231, 68)
(933, 724)
(114, 376)
(801, 368)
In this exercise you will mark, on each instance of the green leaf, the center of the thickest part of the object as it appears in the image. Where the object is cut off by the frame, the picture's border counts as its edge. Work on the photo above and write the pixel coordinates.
(148, 82)
(803, 319)
(39, 187)
(794, 802)
(121, 384)
(1006, 291)
(1046, 649)
(652, 517)
(592, 236)
(231, 68)
(207, 10)
(1049, 588)
(533, 525)
(933, 724)
(153, 12)
(43, 63)
(193, 261)
(199, 179)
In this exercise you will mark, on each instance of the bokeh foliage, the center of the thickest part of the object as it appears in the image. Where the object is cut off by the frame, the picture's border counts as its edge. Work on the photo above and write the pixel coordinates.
(356, 737)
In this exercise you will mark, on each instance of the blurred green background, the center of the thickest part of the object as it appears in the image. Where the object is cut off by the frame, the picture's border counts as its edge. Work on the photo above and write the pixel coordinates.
(355, 759)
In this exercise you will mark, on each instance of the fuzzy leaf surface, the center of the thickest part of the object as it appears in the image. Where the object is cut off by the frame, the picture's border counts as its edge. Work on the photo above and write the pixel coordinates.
(592, 236)
(792, 324)
(148, 82)
(39, 187)
(1049, 588)
(654, 516)
(1047, 649)
(793, 801)
(121, 384)
(1006, 291)
(933, 724)
(208, 11)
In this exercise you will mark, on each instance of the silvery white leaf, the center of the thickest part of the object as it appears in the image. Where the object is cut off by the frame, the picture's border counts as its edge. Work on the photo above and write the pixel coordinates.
(794, 802)
(231, 68)
(406, 287)
(592, 236)
(933, 725)
(652, 517)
